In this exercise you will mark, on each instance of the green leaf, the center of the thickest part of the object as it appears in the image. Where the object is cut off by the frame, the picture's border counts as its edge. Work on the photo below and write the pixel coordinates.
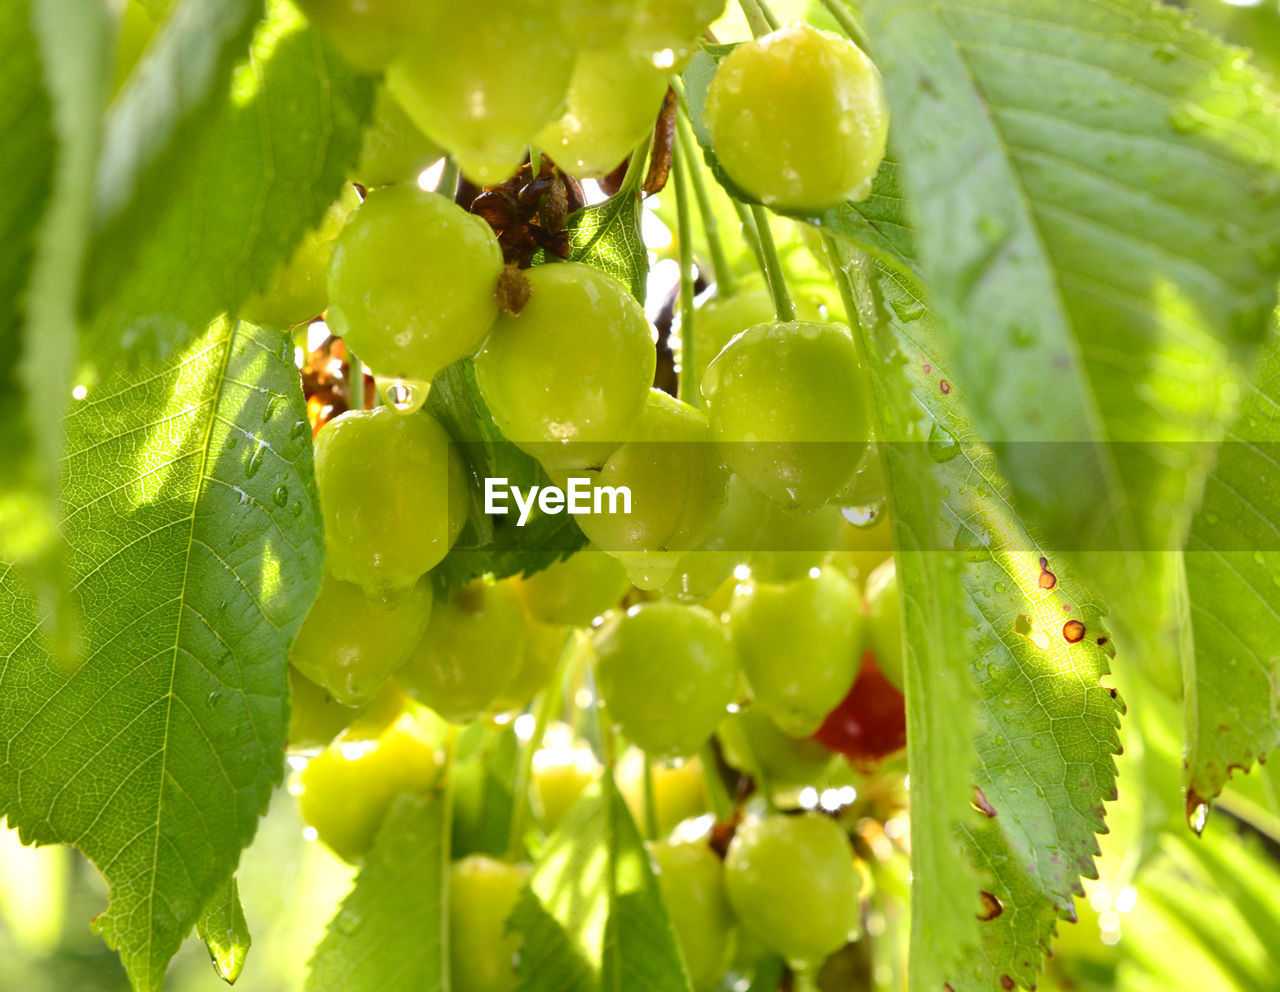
(195, 547)
(224, 931)
(1046, 729)
(607, 235)
(1232, 563)
(389, 935)
(500, 547)
(268, 157)
(1097, 207)
(592, 917)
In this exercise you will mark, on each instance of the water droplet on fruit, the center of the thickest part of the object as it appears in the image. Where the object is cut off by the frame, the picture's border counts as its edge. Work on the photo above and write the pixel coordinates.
(404, 395)
(941, 444)
(865, 517)
(255, 461)
(281, 495)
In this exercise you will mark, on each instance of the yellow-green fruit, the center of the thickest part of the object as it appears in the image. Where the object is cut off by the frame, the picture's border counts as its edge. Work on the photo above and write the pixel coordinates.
(393, 149)
(562, 769)
(794, 886)
(352, 646)
(473, 647)
(482, 894)
(482, 78)
(884, 622)
(679, 789)
(299, 289)
(411, 282)
(612, 104)
(800, 646)
(788, 409)
(597, 23)
(752, 743)
(678, 487)
(575, 590)
(720, 318)
(667, 31)
(544, 644)
(368, 33)
(566, 378)
(315, 717)
(393, 491)
(798, 118)
(691, 880)
(862, 549)
(346, 791)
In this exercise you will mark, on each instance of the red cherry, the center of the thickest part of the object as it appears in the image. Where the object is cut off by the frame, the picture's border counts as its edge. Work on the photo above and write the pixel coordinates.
(871, 721)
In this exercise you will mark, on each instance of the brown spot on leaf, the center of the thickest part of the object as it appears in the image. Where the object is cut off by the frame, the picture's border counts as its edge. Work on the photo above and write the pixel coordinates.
(1073, 631)
(1007, 983)
(924, 364)
(980, 803)
(1047, 579)
(1114, 694)
(991, 907)
(944, 387)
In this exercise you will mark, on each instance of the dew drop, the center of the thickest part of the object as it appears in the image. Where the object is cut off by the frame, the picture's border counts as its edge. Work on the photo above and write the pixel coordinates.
(299, 428)
(907, 311)
(274, 402)
(1197, 814)
(404, 395)
(255, 461)
(941, 444)
(864, 517)
(232, 441)
(297, 509)
(281, 495)
(215, 699)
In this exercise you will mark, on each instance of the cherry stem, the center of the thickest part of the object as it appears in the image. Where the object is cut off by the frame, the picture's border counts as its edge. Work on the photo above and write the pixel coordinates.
(548, 702)
(803, 979)
(759, 18)
(688, 384)
(446, 846)
(687, 144)
(355, 382)
(748, 227)
(716, 792)
(772, 266)
(847, 21)
(650, 801)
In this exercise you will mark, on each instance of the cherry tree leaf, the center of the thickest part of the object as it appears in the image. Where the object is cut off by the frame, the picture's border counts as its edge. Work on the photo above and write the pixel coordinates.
(194, 540)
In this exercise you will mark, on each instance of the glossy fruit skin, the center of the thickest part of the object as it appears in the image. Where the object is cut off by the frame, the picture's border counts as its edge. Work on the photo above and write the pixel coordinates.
(411, 282)
(352, 646)
(368, 33)
(597, 23)
(787, 406)
(691, 880)
(793, 885)
(393, 491)
(671, 24)
(884, 622)
(679, 789)
(575, 590)
(720, 318)
(299, 289)
(482, 894)
(472, 649)
(566, 378)
(393, 149)
(544, 644)
(348, 788)
(752, 742)
(667, 672)
(315, 717)
(799, 119)
(678, 488)
(800, 645)
(864, 549)
(482, 78)
(612, 104)
(562, 769)
(871, 721)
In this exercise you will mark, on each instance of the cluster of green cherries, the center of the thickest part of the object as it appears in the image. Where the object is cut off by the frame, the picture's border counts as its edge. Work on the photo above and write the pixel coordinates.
(735, 618)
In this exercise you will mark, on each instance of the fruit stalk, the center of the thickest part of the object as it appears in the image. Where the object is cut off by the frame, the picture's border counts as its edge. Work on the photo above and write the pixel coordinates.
(688, 387)
(650, 801)
(759, 18)
(355, 382)
(848, 23)
(772, 266)
(721, 271)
